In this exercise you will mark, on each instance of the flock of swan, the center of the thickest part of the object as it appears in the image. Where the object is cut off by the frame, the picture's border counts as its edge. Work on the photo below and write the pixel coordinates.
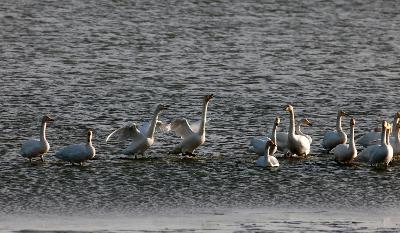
(380, 148)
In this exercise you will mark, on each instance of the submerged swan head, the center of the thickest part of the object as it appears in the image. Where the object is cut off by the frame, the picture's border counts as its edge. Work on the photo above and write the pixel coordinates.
(277, 121)
(47, 119)
(305, 121)
(207, 98)
(288, 108)
(161, 107)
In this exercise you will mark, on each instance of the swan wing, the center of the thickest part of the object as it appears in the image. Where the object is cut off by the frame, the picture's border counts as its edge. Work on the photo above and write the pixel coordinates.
(195, 126)
(160, 127)
(126, 132)
(182, 128)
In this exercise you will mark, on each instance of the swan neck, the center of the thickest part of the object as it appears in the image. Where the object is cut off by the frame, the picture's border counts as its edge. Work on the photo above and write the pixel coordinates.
(152, 129)
(339, 123)
(89, 139)
(292, 123)
(352, 142)
(383, 137)
(202, 129)
(273, 136)
(298, 130)
(387, 140)
(43, 132)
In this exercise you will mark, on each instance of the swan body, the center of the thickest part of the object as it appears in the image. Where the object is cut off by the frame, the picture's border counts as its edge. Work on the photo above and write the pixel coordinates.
(78, 153)
(191, 138)
(345, 153)
(258, 145)
(37, 148)
(268, 160)
(143, 136)
(333, 138)
(297, 144)
(282, 137)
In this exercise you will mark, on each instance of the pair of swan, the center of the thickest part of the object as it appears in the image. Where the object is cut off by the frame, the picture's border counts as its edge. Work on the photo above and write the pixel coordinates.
(143, 137)
(332, 138)
(379, 154)
(77, 153)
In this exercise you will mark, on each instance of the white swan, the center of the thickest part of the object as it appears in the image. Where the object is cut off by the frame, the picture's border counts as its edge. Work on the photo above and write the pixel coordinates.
(282, 137)
(297, 144)
(78, 153)
(268, 160)
(37, 148)
(345, 153)
(376, 154)
(374, 137)
(333, 138)
(143, 137)
(258, 145)
(396, 143)
(191, 138)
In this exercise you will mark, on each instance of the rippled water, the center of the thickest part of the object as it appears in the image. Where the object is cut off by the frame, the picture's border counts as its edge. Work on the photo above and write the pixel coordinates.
(101, 64)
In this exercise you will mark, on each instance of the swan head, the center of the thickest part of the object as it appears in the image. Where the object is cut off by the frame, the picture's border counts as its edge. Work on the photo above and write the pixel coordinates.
(161, 107)
(397, 115)
(288, 108)
(352, 122)
(305, 121)
(342, 113)
(269, 144)
(46, 119)
(277, 121)
(207, 98)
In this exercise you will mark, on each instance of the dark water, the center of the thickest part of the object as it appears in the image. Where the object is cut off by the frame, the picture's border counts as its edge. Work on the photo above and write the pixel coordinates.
(101, 64)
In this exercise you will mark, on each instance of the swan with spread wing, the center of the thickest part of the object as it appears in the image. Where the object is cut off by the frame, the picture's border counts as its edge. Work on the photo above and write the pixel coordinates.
(191, 138)
(143, 136)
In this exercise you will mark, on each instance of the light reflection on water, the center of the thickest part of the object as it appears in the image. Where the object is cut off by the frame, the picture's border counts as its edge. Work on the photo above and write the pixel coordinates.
(101, 64)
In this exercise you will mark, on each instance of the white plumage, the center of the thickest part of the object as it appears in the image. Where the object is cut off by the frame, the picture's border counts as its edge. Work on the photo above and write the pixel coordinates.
(37, 148)
(258, 145)
(345, 153)
(191, 138)
(78, 153)
(268, 160)
(282, 137)
(143, 136)
(333, 138)
(297, 144)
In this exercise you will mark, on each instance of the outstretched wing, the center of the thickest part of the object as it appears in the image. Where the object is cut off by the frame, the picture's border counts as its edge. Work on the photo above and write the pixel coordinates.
(181, 128)
(126, 132)
(160, 126)
(195, 126)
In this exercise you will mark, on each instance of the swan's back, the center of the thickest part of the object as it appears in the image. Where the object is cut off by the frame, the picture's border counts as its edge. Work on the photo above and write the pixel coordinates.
(76, 153)
(332, 139)
(34, 148)
(282, 141)
(369, 139)
(299, 145)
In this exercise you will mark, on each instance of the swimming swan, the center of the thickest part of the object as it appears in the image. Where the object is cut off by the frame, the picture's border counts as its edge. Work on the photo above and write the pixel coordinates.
(297, 144)
(268, 160)
(282, 137)
(333, 138)
(37, 148)
(143, 136)
(78, 153)
(345, 153)
(191, 138)
(258, 145)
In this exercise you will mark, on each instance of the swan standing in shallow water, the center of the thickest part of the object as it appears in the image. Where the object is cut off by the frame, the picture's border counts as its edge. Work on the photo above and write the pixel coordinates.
(258, 145)
(282, 137)
(268, 160)
(37, 148)
(334, 138)
(143, 137)
(78, 153)
(191, 139)
(297, 144)
(345, 153)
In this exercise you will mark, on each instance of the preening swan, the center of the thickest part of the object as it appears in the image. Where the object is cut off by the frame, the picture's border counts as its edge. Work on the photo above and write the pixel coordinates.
(258, 145)
(37, 148)
(374, 137)
(268, 160)
(377, 154)
(282, 137)
(297, 144)
(334, 138)
(143, 136)
(345, 153)
(78, 153)
(191, 138)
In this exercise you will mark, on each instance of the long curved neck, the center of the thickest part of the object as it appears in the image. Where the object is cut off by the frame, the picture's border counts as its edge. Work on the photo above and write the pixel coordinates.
(152, 129)
(383, 137)
(43, 132)
(292, 123)
(273, 135)
(387, 137)
(339, 123)
(89, 139)
(352, 144)
(202, 129)
(266, 153)
(298, 130)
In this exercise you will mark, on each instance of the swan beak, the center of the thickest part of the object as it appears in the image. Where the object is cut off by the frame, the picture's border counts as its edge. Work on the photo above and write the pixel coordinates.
(209, 97)
(50, 119)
